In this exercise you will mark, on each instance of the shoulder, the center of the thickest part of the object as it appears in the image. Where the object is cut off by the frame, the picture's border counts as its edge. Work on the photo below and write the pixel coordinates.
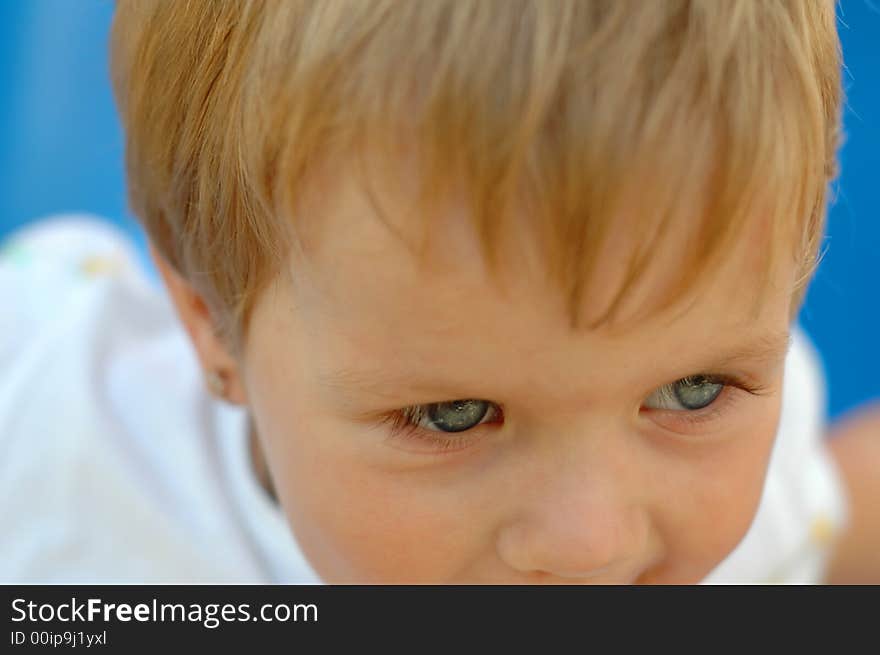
(46, 266)
(63, 249)
(111, 469)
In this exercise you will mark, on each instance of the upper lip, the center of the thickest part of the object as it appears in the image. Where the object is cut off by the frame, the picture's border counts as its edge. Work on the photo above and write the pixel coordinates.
(607, 575)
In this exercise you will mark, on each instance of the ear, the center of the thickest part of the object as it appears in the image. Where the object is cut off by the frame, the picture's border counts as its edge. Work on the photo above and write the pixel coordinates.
(193, 311)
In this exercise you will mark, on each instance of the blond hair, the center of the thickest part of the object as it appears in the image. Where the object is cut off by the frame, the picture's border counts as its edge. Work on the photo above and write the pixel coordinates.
(712, 109)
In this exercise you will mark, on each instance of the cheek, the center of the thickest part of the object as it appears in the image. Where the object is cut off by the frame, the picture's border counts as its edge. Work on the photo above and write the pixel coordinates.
(355, 523)
(715, 506)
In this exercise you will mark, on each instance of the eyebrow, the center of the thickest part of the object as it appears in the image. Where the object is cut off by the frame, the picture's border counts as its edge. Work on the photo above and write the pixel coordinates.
(377, 382)
(765, 349)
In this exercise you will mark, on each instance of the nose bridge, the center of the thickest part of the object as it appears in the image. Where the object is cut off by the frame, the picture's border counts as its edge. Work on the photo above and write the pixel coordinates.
(581, 514)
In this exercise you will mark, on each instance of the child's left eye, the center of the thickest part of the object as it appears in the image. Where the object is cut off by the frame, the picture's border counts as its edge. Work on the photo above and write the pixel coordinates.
(690, 393)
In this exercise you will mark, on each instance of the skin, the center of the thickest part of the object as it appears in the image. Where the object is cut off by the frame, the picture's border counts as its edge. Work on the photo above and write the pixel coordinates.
(855, 447)
(585, 478)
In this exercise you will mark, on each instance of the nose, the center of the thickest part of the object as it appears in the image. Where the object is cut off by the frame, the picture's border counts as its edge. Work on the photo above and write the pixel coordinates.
(578, 526)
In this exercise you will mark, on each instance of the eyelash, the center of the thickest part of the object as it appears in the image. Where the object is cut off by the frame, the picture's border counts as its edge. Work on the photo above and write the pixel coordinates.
(401, 426)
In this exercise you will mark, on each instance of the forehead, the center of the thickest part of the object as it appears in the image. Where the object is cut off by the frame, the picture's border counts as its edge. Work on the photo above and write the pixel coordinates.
(361, 282)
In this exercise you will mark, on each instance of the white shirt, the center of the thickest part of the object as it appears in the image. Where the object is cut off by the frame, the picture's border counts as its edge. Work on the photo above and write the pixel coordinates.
(118, 466)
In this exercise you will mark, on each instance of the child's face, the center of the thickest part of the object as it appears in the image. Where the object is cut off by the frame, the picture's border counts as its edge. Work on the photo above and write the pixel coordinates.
(576, 468)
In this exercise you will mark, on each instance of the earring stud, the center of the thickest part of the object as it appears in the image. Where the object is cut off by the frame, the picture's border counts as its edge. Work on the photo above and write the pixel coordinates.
(217, 383)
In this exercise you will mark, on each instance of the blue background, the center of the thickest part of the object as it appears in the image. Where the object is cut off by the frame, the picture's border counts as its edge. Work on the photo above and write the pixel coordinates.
(62, 151)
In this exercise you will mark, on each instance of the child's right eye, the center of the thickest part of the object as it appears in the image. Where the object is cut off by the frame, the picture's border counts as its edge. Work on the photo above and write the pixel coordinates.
(450, 416)
(442, 426)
